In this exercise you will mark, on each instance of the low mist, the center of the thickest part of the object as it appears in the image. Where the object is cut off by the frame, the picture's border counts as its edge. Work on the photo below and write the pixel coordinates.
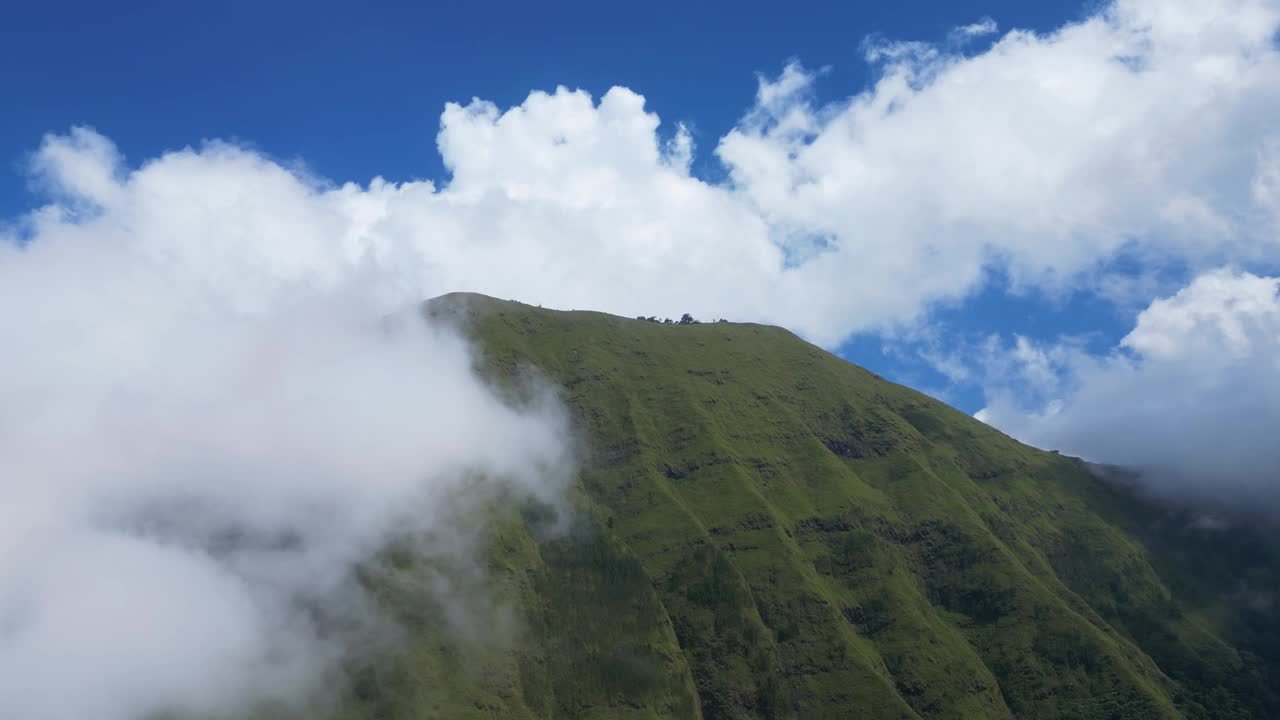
(1188, 401)
(195, 464)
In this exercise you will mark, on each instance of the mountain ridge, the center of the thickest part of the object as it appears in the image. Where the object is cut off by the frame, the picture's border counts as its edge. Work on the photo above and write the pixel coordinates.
(763, 530)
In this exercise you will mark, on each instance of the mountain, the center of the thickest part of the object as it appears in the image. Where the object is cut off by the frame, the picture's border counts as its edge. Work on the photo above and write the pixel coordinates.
(763, 530)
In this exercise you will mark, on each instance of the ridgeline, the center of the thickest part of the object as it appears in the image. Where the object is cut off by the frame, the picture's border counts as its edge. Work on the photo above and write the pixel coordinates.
(763, 530)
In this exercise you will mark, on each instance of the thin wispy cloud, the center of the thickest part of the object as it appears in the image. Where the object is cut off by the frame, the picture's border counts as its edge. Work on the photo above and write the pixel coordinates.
(982, 28)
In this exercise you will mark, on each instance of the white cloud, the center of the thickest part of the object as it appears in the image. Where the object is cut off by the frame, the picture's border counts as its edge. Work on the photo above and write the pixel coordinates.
(1142, 129)
(1137, 129)
(1266, 183)
(209, 420)
(981, 28)
(1192, 394)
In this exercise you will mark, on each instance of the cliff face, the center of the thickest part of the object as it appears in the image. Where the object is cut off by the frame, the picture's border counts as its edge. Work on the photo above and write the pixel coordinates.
(763, 530)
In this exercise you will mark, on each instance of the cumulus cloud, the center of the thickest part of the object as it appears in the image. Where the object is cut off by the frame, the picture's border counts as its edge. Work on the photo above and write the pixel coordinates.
(215, 410)
(1137, 130)
(1141, 130)
(1191, 395)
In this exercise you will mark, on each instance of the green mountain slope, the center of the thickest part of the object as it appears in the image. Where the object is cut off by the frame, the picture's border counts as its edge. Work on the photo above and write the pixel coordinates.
(766, 531)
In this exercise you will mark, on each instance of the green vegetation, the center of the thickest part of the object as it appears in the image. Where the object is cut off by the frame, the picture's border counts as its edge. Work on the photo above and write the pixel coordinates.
(766, 531)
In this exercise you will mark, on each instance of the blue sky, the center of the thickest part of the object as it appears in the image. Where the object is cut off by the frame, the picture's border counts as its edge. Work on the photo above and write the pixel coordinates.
(356, 92)
(1003, 217)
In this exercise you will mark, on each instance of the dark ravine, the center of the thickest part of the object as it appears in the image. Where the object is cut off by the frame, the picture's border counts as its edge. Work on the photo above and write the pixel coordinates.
(764, 530)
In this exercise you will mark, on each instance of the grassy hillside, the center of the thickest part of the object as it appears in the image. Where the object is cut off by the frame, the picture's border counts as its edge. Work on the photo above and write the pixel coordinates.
(766, 531)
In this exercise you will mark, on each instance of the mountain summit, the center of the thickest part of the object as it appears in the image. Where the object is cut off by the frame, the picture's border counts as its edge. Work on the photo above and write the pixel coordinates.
(763, 530)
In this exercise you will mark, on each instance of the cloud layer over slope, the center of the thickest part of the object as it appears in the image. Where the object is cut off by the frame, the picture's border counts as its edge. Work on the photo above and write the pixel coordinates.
(204, 432)
(1190, 396)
